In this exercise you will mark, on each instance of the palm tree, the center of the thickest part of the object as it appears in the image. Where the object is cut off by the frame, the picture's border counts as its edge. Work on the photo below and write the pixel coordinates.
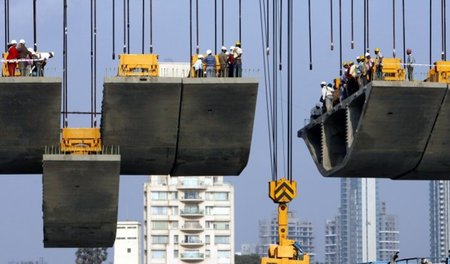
(91, 255)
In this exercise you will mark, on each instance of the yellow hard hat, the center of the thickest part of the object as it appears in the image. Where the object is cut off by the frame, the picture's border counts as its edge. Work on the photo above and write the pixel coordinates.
(238, 43)
(377, 50)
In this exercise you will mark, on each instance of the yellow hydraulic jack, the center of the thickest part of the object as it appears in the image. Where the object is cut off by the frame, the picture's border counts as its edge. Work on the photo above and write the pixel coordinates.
(287, 251)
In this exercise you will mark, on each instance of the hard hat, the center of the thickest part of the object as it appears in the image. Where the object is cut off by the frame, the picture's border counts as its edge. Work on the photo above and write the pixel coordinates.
(408, 51)
(351, 62)
(323, 83)
(361, 57)
(227, 53)
(224, 48)
(13, 42)
(344, 63)
(232, 47)
(52, 54)
(377, 50)
(30, 50)
(22, 41)
(329, 85)
(238, 43)
(200, 56)
(367, 54)
(209, 52)
(358, 58)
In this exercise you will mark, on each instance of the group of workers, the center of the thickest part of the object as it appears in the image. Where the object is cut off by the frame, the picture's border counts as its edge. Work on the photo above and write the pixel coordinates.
(230, 63)
(31, 63)
(353, 78)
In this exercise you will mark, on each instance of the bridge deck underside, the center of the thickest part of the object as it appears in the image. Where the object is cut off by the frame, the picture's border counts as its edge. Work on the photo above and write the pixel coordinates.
(80, 200)
(30, 109)
(180, 126)
(387, 130)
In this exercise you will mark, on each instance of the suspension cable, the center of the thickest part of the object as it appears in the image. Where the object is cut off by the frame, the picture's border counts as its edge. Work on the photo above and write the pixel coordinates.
(393, 28)
(352, 44)
(7, 38)
(143, 26)
(215, 26)
(240, 20)
(95, 64)
(151, 27)
(92, 61)
(223, 22)
(196, 24)
(124, 26)
(274, 91)
(365, 29)
(280, 63)
(268, 96)
(310, 38)
(267, 26)
(404, 32)
(340, 37)
(128, 27)
(289, 73)
(445, 29)
(431, 31)
(331, 26)
(190, 35)
(113, 29)
(65, 121)
(368, 25)
(34, 26)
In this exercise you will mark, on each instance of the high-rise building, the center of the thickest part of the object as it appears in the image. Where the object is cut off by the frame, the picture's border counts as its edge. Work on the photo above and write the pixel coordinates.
(439, 219)
(331, 242)
(357, 221)
(188, 219)
(127, 247)
(298, 230)
(388, 239)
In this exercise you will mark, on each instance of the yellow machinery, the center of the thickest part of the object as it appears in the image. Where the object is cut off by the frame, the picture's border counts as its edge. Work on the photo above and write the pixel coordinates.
(138, 65)
(5, 72)
(81, 141)
(440, 72)
(287, 251)
(194, 59)
(393, 70)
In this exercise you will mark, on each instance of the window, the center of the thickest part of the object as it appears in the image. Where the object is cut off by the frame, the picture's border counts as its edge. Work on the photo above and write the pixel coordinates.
(175, 239)
(191, 195)
(207, 239)
(223, 254)
(159, 210)
(129, 250)
(158, 254)
(221, 226)
(160, 240)
(222, 240)
(175, 253)
(159, 195)
(160, 225)
(221, 196)
(207, 253)
(221, 211)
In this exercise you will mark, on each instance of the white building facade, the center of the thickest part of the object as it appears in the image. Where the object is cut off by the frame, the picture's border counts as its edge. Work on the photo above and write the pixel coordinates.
(439, 219)
(188, 219)
(128, 244)
(388, 234)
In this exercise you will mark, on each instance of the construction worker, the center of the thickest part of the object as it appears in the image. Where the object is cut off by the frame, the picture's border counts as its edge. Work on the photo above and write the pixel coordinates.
(231, 62)
(237, 54)
(344, 79)
(352, 83)
(410, 61)
(323, 93)
(369, 68)
(378, 64)
(223, 61)
(24, 54)
(329, 97)
(13, 54)
(198, 66)
(43, 57)
(316, 111)
(210, 62)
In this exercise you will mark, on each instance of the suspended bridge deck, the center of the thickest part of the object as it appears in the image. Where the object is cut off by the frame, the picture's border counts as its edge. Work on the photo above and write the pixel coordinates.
(179, 126)
(30, 114)
(397, 130)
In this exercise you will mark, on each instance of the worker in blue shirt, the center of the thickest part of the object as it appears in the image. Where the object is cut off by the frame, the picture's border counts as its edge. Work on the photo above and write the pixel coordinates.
(210, 62)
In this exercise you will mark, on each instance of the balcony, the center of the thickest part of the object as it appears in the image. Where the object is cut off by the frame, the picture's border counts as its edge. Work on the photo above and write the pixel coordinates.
(192, 256)
(192, 242)
(191, 212)
(191, 227)
(192, 198)
(199, 185)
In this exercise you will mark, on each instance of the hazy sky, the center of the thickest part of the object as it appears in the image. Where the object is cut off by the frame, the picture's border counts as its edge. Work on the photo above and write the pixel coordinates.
(21, 196)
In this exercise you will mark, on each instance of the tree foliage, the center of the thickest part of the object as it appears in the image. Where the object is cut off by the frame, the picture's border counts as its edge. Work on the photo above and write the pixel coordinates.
(91, 255)
(247, 259)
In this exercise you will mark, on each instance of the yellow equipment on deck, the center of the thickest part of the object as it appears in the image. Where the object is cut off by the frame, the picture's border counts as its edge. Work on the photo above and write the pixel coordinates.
(393, 70)
(287, 251)
(5, 72)
(440, 72)
(138, 65)
(81, 141)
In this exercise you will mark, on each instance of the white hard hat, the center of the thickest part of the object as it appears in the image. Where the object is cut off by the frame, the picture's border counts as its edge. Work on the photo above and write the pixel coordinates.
(13, 41)
(224, 48)
(209, 52)
(367, 54)
(323, 83)
(22, 41)
(52, 54)
(227, 53)
(30, 50)
(200, 56)
(232, 48)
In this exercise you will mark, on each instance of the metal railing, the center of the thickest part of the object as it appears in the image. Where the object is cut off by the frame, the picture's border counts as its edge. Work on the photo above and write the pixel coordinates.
(106, 150)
